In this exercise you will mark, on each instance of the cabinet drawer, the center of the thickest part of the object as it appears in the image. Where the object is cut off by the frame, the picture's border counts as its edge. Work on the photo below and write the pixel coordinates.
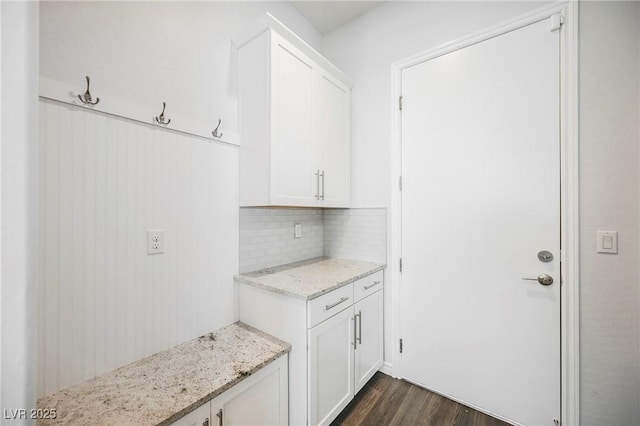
(367, 285)
(325, 306)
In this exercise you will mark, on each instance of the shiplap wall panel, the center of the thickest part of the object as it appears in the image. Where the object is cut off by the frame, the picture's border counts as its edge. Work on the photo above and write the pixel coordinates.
(105, 182)
(65, 292)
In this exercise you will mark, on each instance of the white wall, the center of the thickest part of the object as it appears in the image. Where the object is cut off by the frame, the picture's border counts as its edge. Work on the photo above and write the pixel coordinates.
(144, 53)
(365, 49)
(610, 183)
(19, 206)
(106, 180)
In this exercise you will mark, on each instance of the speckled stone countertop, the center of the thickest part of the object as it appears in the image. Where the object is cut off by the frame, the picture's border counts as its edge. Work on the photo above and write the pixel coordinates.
(161, 388)
(311, 278)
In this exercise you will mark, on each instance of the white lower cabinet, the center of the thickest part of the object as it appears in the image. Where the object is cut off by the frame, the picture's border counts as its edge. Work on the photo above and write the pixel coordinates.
(337, 343)
(345, 351)
(201, 416)
(369, 350)
(259, 400)
(330, 367)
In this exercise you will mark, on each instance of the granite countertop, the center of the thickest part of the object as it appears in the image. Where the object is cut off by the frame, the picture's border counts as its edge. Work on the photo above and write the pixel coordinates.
(310, 278)
(161, 388)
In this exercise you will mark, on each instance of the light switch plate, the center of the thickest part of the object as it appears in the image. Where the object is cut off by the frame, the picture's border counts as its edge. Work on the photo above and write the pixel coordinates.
(607, 242)
(297, 230)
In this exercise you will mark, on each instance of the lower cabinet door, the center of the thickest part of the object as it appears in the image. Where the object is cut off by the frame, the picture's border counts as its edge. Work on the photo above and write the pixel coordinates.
(369, 346)
(330, 367)
(198, 417)
(259, 400)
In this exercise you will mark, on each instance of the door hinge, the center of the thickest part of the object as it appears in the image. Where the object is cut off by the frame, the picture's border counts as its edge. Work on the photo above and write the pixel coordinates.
(556, 22)
(400, 183)
(400, 103)
(400, 345)
(400, 264)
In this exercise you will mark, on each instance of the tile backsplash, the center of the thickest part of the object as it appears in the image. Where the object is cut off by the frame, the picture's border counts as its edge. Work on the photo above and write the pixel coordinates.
(267, 235)
(356, 234)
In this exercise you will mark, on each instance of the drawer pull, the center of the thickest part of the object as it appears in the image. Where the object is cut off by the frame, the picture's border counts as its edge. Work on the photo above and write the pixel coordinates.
(375, 283)
(333, 305)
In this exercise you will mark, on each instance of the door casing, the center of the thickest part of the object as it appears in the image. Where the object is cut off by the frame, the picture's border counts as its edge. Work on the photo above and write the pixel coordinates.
(569, 191)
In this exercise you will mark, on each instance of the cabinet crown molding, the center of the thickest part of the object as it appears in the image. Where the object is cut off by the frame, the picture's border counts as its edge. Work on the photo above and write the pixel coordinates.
(268, 22)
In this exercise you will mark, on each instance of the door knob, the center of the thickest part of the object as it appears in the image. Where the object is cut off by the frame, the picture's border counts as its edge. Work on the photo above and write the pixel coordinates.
(543, 279)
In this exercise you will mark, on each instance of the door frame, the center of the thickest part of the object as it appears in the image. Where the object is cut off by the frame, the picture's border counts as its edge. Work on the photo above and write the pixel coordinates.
(569, 192)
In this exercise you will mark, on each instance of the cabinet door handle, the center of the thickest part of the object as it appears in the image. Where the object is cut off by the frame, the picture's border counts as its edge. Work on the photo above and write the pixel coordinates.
(359, 315)
(322, 176)
(219, 414)
(317, 175)
(333, 305)
(375, 283)
(355, 339)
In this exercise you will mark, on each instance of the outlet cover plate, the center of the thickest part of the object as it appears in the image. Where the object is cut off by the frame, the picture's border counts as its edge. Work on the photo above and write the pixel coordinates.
(607, 242)
(155, 241)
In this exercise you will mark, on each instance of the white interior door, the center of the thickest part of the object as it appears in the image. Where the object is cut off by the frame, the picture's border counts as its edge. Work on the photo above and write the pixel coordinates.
(480, 199)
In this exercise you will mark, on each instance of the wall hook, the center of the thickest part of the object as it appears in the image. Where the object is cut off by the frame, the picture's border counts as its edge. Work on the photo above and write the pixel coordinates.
(215, 133)
(86, 97)
(160, 118)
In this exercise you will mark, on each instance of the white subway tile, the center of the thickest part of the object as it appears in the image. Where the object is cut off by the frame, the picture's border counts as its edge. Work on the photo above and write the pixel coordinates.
(266, 235)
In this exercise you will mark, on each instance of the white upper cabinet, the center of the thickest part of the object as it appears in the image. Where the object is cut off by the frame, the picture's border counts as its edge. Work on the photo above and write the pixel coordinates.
(295, 122)
(333, 132)
(292, 149)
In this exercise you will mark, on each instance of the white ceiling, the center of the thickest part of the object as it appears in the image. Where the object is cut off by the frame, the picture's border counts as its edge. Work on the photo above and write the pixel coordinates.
(328, 15)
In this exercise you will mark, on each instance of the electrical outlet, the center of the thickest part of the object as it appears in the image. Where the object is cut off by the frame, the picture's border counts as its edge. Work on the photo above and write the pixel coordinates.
(297, 230)
(155, 241)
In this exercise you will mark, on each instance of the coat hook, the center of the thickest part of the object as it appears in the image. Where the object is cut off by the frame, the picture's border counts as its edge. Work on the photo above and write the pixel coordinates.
(215, 131)
(86, 97)
(160, 118)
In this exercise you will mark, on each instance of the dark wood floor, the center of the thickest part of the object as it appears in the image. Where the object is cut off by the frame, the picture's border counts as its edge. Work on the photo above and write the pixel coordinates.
(388, 401)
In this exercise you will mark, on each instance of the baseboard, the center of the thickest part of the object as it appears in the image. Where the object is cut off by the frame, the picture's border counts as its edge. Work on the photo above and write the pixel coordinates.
(387, 368)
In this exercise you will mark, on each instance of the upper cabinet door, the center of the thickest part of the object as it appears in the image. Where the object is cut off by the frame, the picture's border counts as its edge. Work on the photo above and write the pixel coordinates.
(333, 133)
(295, 123)
(292, 175)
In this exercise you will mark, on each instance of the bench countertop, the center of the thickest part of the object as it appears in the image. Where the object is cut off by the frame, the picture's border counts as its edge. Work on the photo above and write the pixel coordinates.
(161, 388)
